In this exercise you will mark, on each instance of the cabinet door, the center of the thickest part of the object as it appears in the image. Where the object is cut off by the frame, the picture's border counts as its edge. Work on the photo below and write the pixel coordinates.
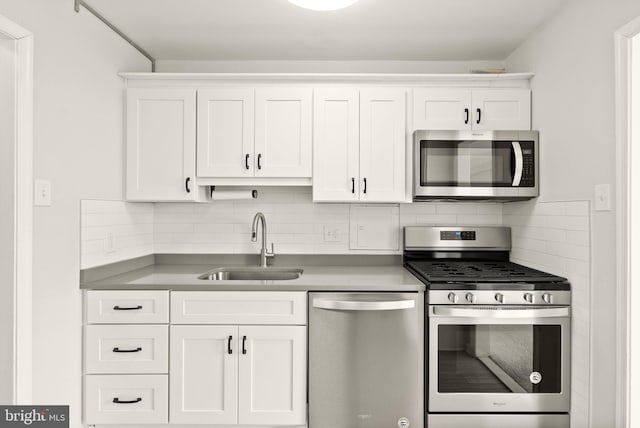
(502, 109)
(336, 140)
(273, 378)
(204, 375)
(283, 132)
(161, 144)
(225, 132)
(382, 145)
(442, 108)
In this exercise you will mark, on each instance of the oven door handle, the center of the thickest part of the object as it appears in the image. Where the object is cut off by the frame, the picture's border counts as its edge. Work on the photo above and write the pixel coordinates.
(447, 311)
(517, 152)
(356, 305)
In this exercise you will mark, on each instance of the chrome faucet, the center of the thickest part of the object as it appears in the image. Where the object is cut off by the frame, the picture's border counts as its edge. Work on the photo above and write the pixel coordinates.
(264, 254)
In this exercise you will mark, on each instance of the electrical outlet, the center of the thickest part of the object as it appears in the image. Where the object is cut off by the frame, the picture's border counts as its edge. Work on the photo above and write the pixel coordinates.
(331, 234)
(602, 197)
(108, 243)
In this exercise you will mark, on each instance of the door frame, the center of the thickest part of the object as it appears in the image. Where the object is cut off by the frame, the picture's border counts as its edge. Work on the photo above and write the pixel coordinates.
(627, 337)
(23, 206)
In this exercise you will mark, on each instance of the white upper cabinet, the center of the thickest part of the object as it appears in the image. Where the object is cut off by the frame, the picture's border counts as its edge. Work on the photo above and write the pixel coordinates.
(247, 132)
(382, 145)
(161, 144)
(502, 109)
(283, 132)
(472, 109)
(336, 144)
(359, 145)
(225, 132)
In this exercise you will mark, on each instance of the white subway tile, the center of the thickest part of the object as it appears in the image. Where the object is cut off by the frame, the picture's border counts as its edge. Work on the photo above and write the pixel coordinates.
(457, 208)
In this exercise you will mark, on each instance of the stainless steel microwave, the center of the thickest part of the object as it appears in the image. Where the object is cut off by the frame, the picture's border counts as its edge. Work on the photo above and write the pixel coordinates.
(497, 165)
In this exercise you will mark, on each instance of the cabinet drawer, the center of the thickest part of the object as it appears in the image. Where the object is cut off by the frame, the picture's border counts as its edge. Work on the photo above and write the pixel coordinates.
(126, 399)
(126, 348)
(222, 307)
(127, 307)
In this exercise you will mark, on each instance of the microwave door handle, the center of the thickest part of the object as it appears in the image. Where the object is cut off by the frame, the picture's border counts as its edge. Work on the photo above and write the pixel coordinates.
(446, 311)
(517, 174)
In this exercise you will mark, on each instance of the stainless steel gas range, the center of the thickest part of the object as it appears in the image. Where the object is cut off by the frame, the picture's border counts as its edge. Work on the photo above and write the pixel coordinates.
(498, 333)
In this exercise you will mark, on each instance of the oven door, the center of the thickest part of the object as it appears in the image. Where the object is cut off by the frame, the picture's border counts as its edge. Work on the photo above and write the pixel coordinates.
(499, 359)
(474, 168)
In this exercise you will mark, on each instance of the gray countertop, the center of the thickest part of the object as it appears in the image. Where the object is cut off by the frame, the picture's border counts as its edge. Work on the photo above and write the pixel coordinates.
(178, 274)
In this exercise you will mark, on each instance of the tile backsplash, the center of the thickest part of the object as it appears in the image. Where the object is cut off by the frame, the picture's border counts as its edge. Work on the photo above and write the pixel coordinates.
(295, 225)
(555, 237)
(112, 231)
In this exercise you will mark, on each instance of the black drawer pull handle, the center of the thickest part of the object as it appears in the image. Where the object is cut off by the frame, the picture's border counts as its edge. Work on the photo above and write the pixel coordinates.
(186, 184)
(119, 401)
(259, 158)
(479, 115)
(244, 341)
(133, 308)
(126, 350)
(365, 185)
(353, 185)
(246, 161)
(229, 350)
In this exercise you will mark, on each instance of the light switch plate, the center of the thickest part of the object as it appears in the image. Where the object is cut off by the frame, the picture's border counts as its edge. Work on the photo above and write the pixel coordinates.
(602, 197)
(42, 193)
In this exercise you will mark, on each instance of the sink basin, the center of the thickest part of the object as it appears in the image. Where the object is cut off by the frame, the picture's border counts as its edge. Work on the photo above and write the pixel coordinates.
(243, 273)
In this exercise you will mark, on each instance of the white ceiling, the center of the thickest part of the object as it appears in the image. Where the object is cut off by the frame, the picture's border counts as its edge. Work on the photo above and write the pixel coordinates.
(442, 30)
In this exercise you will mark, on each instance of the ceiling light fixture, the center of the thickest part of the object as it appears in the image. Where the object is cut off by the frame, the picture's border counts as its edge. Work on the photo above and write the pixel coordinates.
(323, 5)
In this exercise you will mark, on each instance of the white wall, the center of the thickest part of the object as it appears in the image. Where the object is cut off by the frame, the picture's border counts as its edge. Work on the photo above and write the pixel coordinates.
(7, 217)
(324, 66)
(78, 146)
(572, 55)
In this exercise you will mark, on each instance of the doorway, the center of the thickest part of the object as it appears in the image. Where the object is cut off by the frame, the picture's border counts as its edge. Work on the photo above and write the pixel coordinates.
(16, 195)
(627, 41)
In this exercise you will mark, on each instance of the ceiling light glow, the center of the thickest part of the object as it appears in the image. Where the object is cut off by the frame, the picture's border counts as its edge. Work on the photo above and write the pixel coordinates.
(323, 5)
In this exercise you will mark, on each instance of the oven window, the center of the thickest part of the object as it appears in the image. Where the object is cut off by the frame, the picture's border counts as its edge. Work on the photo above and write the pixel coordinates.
(466, 163)
(499, 358)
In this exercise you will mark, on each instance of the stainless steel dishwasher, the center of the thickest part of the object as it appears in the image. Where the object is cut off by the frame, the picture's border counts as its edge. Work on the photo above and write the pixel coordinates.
(366, 360)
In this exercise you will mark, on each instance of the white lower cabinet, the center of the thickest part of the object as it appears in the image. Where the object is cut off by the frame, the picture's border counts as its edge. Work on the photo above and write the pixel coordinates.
(130, 399)
(226, 358)
(247, 375)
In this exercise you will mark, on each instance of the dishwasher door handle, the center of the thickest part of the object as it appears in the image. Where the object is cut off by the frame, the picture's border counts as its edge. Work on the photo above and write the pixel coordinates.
(358, 305)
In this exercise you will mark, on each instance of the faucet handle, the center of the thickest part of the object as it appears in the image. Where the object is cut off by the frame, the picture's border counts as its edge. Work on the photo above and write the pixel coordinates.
(272, 253)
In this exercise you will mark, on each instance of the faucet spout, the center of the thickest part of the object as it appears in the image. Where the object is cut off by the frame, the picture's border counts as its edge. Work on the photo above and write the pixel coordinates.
(264, 254)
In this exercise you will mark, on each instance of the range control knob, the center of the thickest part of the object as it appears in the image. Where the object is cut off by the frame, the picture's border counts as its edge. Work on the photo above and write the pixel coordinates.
(499, 297)
(471, 298)
(453, 297)
(528, 297)
(548, 298)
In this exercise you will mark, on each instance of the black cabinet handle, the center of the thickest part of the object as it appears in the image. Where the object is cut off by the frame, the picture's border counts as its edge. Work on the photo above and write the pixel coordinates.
(466, 116)
(259, 157)
(479, 115)
(353, 185)
(246, 161)
(133, 308)
(186, 184)
(244, 341)
(126, 350)
(118, 401)
(365, 185)
(229, 350)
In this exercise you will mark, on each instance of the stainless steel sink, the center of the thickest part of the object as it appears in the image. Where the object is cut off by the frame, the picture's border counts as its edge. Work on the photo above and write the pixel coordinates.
(246, 273)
